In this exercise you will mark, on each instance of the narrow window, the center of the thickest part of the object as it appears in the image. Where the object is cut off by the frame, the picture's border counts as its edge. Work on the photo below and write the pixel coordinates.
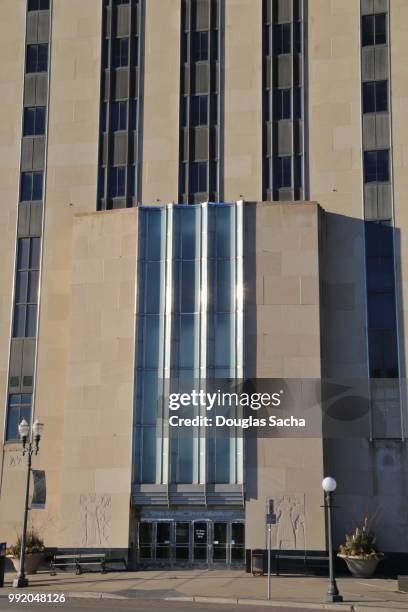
(199, 110)
(373, 30)
(376, 166)
(117, 181)
(119, 116)
(18, 408)
(121, 52)
(282, 38)
(282, 104)
(200, 46)
(37, 58)
(34, 121)
(31, 186)
(375, 97)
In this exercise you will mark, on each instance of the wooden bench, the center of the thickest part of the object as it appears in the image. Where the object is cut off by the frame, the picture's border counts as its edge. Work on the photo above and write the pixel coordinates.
(78, 561)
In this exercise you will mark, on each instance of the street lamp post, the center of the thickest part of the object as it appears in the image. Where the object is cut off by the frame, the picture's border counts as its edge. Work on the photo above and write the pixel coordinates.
(329, 485)
(30, 442)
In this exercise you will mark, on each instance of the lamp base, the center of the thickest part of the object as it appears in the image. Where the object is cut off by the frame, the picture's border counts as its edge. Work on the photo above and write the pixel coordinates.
(333, 598)
(20, 582)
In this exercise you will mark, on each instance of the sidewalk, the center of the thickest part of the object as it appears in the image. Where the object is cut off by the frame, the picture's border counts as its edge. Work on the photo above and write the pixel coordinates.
(221, 586)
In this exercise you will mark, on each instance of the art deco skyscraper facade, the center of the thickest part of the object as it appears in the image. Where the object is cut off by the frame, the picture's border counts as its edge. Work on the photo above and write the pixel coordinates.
(200, 189)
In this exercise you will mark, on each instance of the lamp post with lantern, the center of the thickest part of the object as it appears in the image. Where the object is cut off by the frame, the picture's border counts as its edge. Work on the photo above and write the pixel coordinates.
(30, 439)
(329, 485)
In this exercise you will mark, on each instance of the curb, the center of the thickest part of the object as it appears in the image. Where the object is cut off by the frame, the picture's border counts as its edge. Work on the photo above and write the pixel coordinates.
(94, 595)
(346, 606)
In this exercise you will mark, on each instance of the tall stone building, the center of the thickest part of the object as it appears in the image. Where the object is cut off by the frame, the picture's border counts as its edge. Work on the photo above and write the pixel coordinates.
(201, 189)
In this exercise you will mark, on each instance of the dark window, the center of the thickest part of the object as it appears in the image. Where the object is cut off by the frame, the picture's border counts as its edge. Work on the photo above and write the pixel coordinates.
(37, 58)
(132, 181)
(198, 177)
(18, 408)
(376, 166)
(373, 30)
(105, 53)
(282, 172)
(199, 110)
(101, 183)
(117, 180)
(184, 47)
(375, 97)
(34, 121)
(26, 291)
(297, 37)
(183, 111)
(267, 106)
(297, 166)
(183, 175)
(214, 109)
(38, 5)
(121, 52)
(281, 35)
(267, 41)
(122, 1)
(282, 104)
(297, 103)
(31, 186)
(214, 41)
(103, 116)
(200, 46)
(133, 114)
(119, 116)
(267, 173)
(381, 310)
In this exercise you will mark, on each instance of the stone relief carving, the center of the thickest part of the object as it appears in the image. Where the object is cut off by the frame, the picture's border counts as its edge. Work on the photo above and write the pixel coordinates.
(289, 532)
(15, 460)
(96, 515)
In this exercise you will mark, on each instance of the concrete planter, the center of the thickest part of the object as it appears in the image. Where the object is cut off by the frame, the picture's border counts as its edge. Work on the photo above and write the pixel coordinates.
(31, 564)
(360, 567)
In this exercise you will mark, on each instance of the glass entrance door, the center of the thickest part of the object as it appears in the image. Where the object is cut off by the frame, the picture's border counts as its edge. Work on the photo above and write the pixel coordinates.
(163, 541)
(189, 543)
(219, 543)
(200, 541)
(182, 544)
(237, 544)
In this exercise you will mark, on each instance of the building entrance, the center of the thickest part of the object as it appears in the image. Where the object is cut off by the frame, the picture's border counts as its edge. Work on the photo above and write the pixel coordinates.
(201, 542)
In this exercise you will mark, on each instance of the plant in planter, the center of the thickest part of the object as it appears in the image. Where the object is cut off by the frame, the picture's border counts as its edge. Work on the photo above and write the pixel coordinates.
(360, 552)
(34, 549)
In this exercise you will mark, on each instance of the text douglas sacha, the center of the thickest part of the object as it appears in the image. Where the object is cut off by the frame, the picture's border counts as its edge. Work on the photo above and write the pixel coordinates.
(243, 423)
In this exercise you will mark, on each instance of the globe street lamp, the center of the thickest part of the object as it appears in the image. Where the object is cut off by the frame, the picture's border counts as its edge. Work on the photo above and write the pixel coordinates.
(30, 446)
(329, 486)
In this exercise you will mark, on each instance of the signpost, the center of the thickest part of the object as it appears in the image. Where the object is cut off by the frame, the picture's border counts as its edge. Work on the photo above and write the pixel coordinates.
(270, 520)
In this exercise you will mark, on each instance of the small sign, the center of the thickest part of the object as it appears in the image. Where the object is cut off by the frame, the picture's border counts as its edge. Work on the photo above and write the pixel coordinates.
(271, 519)
(2, 549)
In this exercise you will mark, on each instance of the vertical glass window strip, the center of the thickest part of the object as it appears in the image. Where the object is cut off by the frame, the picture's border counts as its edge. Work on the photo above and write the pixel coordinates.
(26, 290)
(283, 50)
(27, 265)
(150, 344)
(18, 408)
(222, 327)
(119, 148)
(199, 101)
(379, 241)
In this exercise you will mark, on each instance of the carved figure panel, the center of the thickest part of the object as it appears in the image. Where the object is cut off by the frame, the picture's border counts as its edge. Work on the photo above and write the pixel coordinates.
(96, 515)
(289, 532)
